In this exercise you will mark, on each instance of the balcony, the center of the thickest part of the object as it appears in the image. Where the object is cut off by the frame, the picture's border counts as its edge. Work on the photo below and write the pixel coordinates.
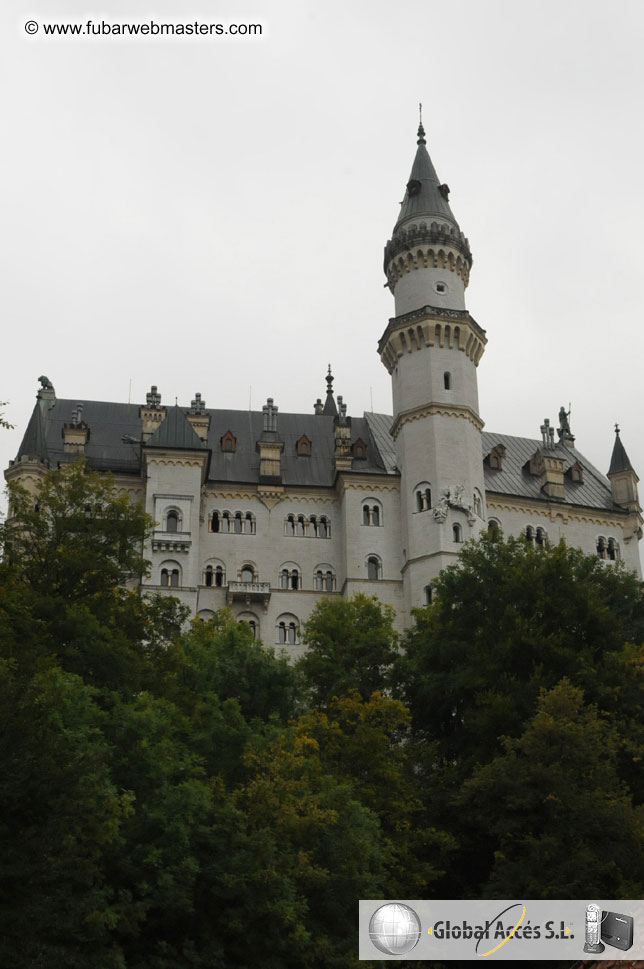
(164, 541)
(248, 592)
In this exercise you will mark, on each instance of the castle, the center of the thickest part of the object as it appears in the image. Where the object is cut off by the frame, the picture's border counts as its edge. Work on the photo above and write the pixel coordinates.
(267, 512)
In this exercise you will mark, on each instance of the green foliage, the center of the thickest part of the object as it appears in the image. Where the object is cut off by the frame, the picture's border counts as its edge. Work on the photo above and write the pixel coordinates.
(221, 656)
(351, 645)
(511, 625)
(554, 808)
(508, 621)
(3, 422)
(69, 553)
(60, 813)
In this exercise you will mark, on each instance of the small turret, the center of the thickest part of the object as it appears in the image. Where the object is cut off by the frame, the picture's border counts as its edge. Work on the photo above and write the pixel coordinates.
(622, 477)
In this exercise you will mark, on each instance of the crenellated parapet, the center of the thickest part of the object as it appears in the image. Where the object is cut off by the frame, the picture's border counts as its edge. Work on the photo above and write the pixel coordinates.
(427, 246)
(428, 327)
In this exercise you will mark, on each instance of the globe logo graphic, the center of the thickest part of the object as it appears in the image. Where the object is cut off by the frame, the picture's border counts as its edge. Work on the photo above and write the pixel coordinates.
(394, 928)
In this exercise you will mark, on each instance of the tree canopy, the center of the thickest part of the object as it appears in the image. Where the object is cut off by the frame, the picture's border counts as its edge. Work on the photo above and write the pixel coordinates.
(515, 631)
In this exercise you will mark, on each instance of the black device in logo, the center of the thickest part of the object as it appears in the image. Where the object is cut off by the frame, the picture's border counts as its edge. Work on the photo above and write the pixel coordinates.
(617, 930)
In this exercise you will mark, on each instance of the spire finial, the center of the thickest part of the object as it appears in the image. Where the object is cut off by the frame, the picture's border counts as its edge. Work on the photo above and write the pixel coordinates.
(421, 130)
(329, 381)
(617, 429)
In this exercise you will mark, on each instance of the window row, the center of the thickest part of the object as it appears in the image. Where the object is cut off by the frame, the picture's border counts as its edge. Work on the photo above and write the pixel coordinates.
(371, 515)
(237, 523)
(287, 627)
(423, 499)
(289, 576)
(312, 527)
(607, 549)
(536, 536)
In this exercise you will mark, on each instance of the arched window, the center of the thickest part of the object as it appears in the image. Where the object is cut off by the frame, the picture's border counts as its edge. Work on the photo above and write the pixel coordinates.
(289, 525)
(228, 442)
(373, 568)
(247, 573)
(423, 497)
(359, 449)
(251, 620)
(215, 522)
(170, 575)
(299, 526)
(290, 577)
(457, 532)
(238, 523)
(428, 593)
(447, 380)
(287, 630)
(529, 534)
(612, 550)
(249, 524)
(601, 547)
(225, 522)
(313, 526)
(303, 447)
(540, 538)
(172, 521)
(477, 504)
(324, 528)
(209, 575)
(324, 579)
(495, 457)
(371, 514)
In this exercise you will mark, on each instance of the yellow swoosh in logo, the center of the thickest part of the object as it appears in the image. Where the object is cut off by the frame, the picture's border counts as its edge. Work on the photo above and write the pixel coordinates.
(482, 955)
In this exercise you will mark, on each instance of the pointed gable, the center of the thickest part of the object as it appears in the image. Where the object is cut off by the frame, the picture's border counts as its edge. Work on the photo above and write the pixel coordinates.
(620, 460)
(34, 444)
(176, 432)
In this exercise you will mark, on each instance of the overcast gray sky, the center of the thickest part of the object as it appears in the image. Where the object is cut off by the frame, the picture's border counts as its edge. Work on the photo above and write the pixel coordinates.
(209, 214)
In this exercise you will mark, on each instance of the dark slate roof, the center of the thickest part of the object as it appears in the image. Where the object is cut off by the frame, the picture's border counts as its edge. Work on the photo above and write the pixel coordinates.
(427, 200)
(620, 460)
(34, 444)
(109, 422)
(175, 432)
(515, 479)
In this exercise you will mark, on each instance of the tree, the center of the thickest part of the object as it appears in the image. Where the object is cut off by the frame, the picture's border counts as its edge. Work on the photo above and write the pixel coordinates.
(4, 423)
(554, 810)
(351, 645)
(510, 622)
(60, 812)
(72, 561)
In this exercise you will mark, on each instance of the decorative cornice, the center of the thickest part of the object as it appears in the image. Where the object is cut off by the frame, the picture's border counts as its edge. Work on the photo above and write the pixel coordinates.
(178, 461)
(431, 326)
(423, 235)
(552, 510)
(352, 482)
(442, 410)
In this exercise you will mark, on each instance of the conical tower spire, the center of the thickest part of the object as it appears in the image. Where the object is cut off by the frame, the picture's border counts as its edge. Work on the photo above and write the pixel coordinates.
(34, 443)
(330, 407)
(425, 196)
(620, 460)
(427, 259)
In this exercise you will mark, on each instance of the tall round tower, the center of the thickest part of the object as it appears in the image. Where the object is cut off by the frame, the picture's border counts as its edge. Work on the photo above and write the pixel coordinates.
(431, 348)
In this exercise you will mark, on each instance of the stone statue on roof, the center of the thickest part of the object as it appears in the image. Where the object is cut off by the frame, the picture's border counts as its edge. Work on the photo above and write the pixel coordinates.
(46, 383)
(564, 432)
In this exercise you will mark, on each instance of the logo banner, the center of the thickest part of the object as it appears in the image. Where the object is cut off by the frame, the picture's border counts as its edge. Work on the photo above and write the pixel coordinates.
(516, 929)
